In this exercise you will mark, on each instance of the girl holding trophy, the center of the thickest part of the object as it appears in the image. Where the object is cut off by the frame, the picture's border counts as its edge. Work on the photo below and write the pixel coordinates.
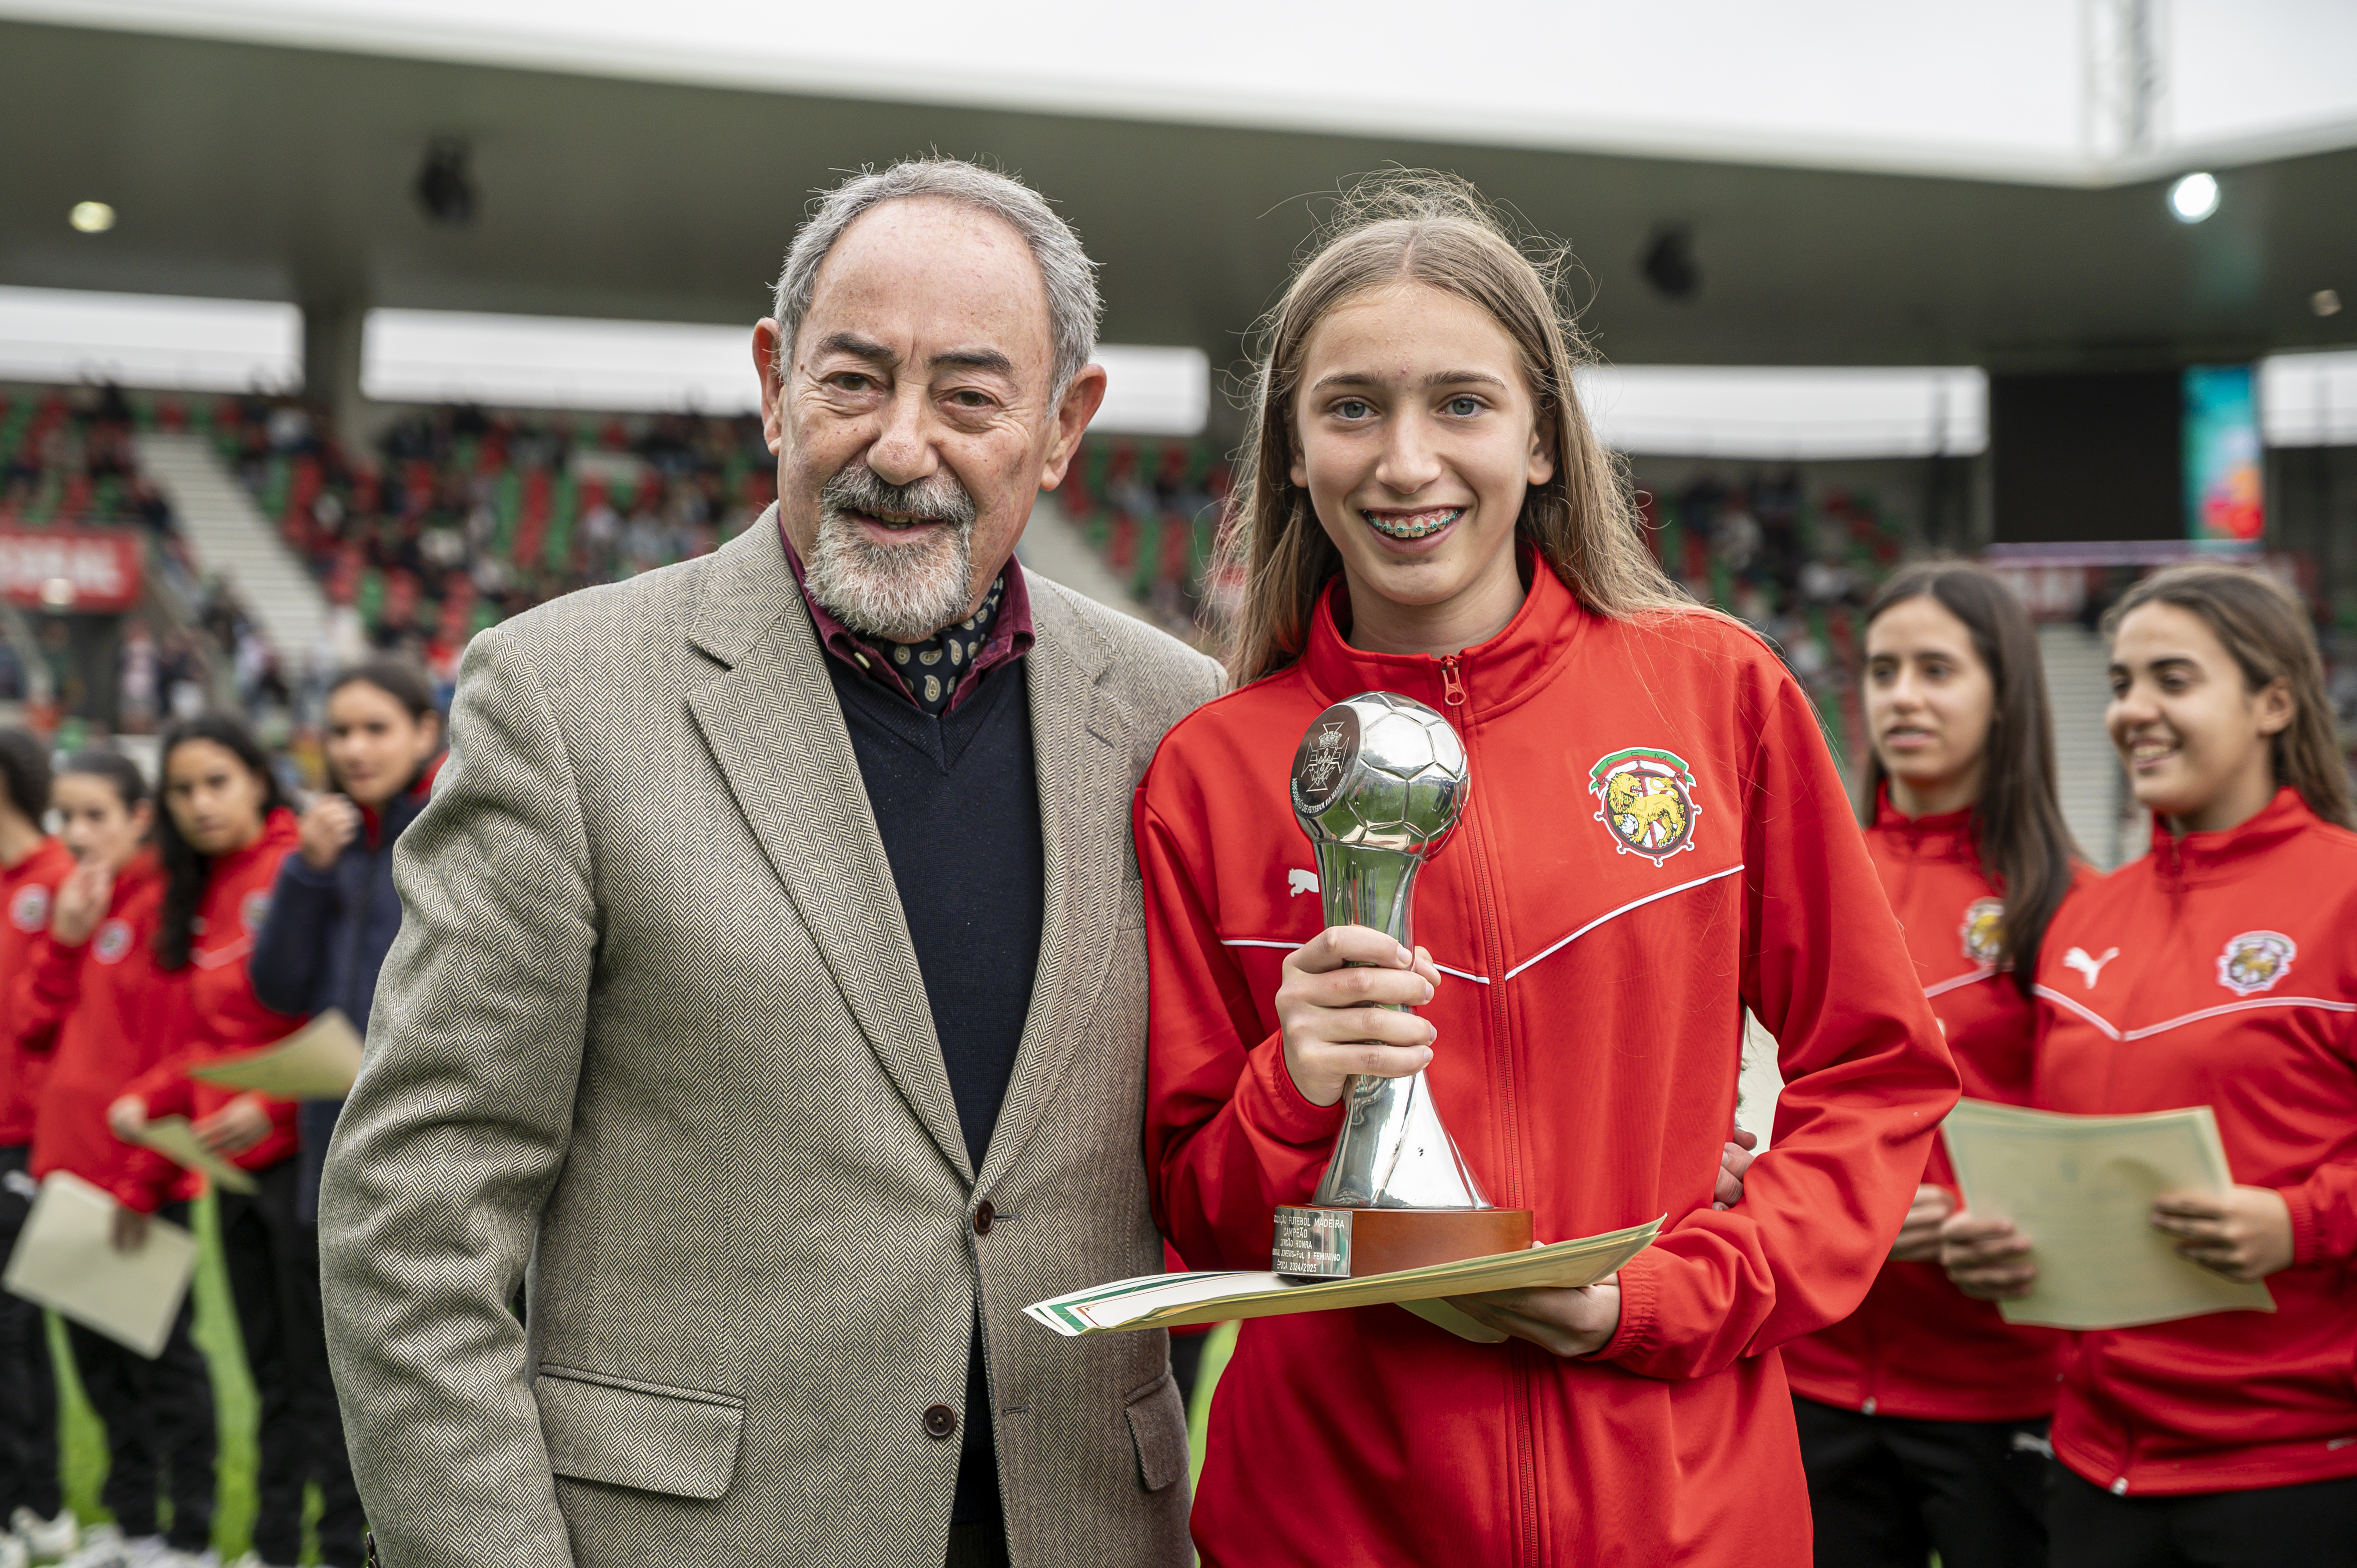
(1651, 839)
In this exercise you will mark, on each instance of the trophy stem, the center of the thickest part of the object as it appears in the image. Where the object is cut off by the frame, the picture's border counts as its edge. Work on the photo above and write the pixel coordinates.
(1393, 1151)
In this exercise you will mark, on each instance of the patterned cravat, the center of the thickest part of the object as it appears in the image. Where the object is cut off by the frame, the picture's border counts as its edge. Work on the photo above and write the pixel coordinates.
(933, 669)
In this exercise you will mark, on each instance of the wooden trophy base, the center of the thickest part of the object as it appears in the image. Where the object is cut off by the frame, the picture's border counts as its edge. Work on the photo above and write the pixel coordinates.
(1352, 1243)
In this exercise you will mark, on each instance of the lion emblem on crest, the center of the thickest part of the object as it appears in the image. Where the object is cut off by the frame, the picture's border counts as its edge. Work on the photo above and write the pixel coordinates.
(1645, 800)
(2254, 960)
(1984, 930)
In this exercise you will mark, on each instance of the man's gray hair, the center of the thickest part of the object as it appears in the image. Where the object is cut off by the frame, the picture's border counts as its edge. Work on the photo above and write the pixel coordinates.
(1070, 277)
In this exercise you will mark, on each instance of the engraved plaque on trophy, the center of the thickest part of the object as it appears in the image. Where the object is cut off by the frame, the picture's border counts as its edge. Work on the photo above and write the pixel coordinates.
(1378, 784)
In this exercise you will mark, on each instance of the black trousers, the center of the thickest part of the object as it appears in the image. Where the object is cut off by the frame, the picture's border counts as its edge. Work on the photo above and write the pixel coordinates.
(29, 1386)
(2312, 1526)
(1887, 1491)
(273, 1274)
(160, 1431)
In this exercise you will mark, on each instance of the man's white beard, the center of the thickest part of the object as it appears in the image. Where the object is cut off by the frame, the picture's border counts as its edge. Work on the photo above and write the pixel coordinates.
(902, 593)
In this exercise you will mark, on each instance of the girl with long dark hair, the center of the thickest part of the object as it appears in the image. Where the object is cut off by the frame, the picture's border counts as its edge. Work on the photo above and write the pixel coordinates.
(223, 834)
(1922, 1415)
(1654, 840)
(96, 1003)
(2218, 970)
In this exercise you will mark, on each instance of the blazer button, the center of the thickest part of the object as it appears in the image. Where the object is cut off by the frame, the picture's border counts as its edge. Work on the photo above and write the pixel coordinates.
(940, 1422)
(985, 1217)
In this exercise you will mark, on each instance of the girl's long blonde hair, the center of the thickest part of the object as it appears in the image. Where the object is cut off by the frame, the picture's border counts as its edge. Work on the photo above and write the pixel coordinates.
(1421, 227)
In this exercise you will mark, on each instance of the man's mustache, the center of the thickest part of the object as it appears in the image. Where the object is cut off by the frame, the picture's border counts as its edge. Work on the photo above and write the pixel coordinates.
(856, 488)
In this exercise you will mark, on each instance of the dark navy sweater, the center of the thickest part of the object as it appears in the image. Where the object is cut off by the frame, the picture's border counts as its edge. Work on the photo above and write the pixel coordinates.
(956, 800)
(320, 946)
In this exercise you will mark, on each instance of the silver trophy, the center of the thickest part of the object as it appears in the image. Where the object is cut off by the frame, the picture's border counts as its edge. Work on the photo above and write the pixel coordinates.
(1378, 784)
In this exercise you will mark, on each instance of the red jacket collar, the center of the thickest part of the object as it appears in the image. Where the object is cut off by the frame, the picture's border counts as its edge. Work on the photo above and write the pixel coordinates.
(2202, 857)
(1486, 677)
(279, 831)
(1946, 834)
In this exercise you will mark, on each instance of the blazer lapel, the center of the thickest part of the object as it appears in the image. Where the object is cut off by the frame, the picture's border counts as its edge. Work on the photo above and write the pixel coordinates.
(1080, 746)
(774, 726)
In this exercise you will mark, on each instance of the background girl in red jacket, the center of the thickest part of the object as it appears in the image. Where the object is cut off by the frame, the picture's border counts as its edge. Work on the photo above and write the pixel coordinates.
(2218, 970)
(223, 836)
(1923, 1413)
(1428, 513)
(93, 1001)
(31, 865)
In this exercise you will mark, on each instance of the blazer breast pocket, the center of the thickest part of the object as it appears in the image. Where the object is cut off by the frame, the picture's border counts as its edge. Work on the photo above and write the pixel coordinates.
(679, 1442)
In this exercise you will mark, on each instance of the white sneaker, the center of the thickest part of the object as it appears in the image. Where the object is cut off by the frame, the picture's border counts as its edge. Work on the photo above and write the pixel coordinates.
(102, 1546)
(13, 1554)
(150, 1551)
(46, 1539)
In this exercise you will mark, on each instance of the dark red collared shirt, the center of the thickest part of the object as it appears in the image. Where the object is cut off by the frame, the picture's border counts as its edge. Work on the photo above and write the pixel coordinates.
(1010, 635)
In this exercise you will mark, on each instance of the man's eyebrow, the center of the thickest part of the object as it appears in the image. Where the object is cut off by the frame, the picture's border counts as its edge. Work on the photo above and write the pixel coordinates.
(858, 347)
(972, 359)
(1438, 379)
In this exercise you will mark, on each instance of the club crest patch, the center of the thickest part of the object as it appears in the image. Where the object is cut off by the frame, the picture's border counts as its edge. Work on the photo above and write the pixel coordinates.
(252, 913)
(1645, 799)
(112, 943)
(29, 910)
(2254, 960)
(1984, 930)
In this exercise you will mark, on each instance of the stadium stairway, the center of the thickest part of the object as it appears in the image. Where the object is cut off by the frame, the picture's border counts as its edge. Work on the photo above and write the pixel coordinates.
(2077, 683)
(231, 538)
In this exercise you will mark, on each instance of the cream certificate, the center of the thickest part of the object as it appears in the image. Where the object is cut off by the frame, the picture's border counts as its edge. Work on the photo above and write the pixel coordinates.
(318, 1061)
(2082, 1190)
(66, 1260)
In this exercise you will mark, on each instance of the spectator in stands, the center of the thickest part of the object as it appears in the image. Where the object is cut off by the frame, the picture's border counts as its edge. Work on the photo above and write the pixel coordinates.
(335, 913)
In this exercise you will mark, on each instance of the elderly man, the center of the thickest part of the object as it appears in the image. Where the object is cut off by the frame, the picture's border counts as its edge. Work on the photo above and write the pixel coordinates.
(771, 992)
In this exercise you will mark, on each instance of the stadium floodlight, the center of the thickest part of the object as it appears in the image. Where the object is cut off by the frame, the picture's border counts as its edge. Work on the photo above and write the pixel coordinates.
(445, 187)
(2193, 197)
(91, 217)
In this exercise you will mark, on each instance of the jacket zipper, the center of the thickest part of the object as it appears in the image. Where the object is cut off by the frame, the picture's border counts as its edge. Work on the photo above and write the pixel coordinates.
(1522, 1466)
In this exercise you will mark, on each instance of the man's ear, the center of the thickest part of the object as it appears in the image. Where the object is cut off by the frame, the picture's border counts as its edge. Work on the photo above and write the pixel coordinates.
(768, 340)
(1072, 415)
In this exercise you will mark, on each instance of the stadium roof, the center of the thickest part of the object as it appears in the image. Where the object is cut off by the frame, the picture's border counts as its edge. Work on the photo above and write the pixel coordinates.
(1884, 186)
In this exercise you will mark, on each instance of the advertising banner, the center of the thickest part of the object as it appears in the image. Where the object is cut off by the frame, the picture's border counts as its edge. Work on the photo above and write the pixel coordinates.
(2223, 472)
(86, 570)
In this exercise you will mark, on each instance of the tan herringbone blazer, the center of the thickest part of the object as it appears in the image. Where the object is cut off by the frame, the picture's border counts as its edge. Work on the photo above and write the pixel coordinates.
(653, 1033)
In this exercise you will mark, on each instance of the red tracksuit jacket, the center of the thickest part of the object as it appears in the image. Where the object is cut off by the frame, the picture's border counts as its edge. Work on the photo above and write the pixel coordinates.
(1590, 1028)
(27, 890)
(226, 1017)
(2221, 970)
(1917, 1347)
(102, 1014)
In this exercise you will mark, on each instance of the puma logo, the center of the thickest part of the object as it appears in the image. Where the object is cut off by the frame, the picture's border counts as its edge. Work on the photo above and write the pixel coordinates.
(2093, 968)
(1300, 882)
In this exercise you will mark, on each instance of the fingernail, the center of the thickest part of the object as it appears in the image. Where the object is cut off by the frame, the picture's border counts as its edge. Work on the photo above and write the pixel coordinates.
(1406, 959)
(1428, 992)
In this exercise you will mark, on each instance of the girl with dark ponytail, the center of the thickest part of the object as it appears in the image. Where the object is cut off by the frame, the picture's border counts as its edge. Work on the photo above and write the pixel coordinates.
(222, 837)
(1922, 1415)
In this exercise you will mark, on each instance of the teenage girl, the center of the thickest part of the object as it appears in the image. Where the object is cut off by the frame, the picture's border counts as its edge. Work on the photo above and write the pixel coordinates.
(1923, 1414)
(31, 865)
(335, 913)
(1427, 513)
(95, 1002)
(2218, 970)
(222, 836)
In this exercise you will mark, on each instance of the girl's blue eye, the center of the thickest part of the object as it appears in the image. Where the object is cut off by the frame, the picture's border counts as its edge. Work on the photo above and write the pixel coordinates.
(1464, 407)
(1350, 408)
